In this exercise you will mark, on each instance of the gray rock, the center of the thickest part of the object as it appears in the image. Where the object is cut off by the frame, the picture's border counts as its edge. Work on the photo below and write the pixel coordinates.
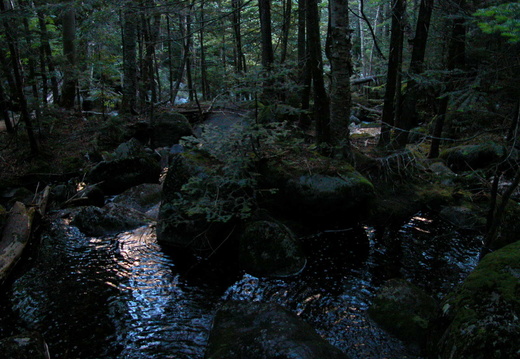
(463, 217)
(253, 330)
(141, 198)
(269, 248)
(470, 157)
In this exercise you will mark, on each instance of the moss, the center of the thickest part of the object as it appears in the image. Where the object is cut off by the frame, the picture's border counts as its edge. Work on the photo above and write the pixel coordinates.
(483, 313)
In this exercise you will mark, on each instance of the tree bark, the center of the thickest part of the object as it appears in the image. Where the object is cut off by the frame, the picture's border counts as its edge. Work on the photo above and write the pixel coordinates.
(286, 26)
(408, 118)
(341, 70)
(68, 93)
(321, 100)
(389, 107)
(129, 102)
(456, 60)
(265, 32)
(47, 54)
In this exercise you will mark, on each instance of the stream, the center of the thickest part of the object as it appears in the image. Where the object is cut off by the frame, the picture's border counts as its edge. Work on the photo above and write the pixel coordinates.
(125, 296)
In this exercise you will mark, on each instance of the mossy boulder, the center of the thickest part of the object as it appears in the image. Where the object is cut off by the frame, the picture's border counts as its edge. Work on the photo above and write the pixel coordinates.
(183, 215)
(316, 189)
(483, 315)
(463, 217)
(169, 127)
(470, 157)
(128, 166)
(510, 227)
(269, 248)
(405, 311)
(255, 330)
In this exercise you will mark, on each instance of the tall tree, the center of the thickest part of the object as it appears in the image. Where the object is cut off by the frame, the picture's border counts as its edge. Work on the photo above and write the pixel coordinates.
(264, 7)
(341, 70)
(129, 23)
(408, 115)
(392, 76)
(455, 60)
(236, 19)
(321, 100)
(68, 93)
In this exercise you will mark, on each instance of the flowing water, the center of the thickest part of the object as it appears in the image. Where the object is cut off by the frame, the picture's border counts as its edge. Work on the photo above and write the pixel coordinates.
(126, 297)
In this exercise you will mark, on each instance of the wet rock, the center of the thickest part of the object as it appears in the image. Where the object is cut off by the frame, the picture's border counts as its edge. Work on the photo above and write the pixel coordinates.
(129, 165)
(255, 330)
(111, 219)
(482, 316)
(470, 157)
(24, 346)
(168, 128)
(404, 310)
(463, 217)
(141, 198)
(269, 248)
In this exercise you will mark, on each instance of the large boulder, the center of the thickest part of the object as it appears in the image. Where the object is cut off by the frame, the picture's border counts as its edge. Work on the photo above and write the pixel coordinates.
(144, 198)
(186, 216)
(269, 248)
(405, 311)
(128, 166)
(255, 330)
(470, 157)
(317, 189)
(169, 127)
(24, 346)
(482, 316)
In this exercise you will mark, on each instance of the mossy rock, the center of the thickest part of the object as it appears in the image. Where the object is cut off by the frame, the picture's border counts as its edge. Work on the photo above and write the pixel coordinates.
(404, 310)
(470, 157)
(482, 315)
(3, 217)
(269, 248)
(509, 228)
(256, 330)
(169, 127)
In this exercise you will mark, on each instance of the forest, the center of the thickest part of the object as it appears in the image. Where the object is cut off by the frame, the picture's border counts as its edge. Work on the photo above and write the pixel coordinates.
(414, 103)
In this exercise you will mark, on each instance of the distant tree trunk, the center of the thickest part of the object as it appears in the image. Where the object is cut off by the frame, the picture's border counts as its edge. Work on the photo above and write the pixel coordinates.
(341, 70)
(4, 113)
(408, 118)
(203, 66)
(304, 74)
(129, 102)
(389, 107)
(188, 51)
(47, 54)
(286, 26)
(240, 59)
(456, 60)
(321, 100)
(10, 33)
(68, 93)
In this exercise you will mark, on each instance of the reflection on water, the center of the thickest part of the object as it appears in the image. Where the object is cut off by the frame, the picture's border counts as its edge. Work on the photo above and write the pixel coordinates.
(125, 297)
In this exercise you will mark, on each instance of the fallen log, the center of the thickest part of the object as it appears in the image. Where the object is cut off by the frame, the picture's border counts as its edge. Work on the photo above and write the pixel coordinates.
(15, 236)
(17, 232)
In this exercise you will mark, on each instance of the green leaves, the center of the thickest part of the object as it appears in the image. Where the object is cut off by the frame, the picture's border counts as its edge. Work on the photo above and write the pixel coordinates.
(503, 19)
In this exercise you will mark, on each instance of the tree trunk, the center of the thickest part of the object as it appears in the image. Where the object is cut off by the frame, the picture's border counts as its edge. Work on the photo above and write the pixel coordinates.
(408, 118)
(68, 93)
(203, 66)
(240, 59)
(47, 51)
(389, 107)
(456, 60)
(129, 102)
(304, 74)
(3, 109)
(265, 31)
(321, 100)
(10, 33)
(286, 26)
(341, 70)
